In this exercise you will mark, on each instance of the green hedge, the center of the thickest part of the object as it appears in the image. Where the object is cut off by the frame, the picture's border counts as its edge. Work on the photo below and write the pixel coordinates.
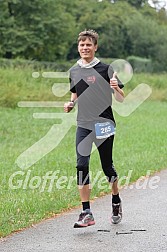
(140, 65)
(36, 65)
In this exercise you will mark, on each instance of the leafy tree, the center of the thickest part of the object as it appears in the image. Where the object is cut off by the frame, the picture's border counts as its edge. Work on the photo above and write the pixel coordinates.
(47, 29)
(148, 40)
(35, 29)
(109, 21)
(141, 34)
(159, 52)
(86, 14)
(162, 16)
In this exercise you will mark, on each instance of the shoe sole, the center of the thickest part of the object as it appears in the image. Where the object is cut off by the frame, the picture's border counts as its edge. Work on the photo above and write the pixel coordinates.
(84, 225)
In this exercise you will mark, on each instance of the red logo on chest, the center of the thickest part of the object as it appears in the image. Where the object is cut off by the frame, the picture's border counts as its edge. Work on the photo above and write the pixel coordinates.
(91, 79)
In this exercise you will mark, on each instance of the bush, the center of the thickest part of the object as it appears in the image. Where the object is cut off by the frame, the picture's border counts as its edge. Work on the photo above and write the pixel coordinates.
(140, 65)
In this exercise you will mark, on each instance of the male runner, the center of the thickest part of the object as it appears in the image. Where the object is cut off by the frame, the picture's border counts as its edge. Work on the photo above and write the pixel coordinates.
(92, 84)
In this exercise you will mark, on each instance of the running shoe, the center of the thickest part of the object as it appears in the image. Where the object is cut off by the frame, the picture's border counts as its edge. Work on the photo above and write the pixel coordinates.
(116, 213)
(85, 219)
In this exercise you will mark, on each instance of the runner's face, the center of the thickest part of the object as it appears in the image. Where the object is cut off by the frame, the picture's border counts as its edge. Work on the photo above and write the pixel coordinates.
(87, 49)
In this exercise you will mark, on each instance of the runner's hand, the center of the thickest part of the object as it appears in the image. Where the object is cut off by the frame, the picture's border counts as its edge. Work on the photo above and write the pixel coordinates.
(68, 106)
(114, 81)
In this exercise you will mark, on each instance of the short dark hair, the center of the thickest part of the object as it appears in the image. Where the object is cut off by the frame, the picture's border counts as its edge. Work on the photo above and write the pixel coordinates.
(91, 34)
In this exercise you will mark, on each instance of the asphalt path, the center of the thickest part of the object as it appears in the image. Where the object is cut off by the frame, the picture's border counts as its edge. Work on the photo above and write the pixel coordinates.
(143, 227)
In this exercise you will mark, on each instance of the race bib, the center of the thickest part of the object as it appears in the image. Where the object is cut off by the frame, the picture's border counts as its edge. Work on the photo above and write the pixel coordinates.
(104, 130)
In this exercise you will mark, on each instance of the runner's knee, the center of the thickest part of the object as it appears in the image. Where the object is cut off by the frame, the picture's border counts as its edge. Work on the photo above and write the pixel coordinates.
(83, 175)
(111, 174)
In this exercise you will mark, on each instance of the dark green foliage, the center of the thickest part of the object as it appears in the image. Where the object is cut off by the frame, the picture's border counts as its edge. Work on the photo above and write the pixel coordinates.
(47, 30)
(35, 29)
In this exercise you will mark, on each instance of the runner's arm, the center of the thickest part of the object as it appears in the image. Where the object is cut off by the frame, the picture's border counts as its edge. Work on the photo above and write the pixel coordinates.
(73, 97)
(119, 94)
